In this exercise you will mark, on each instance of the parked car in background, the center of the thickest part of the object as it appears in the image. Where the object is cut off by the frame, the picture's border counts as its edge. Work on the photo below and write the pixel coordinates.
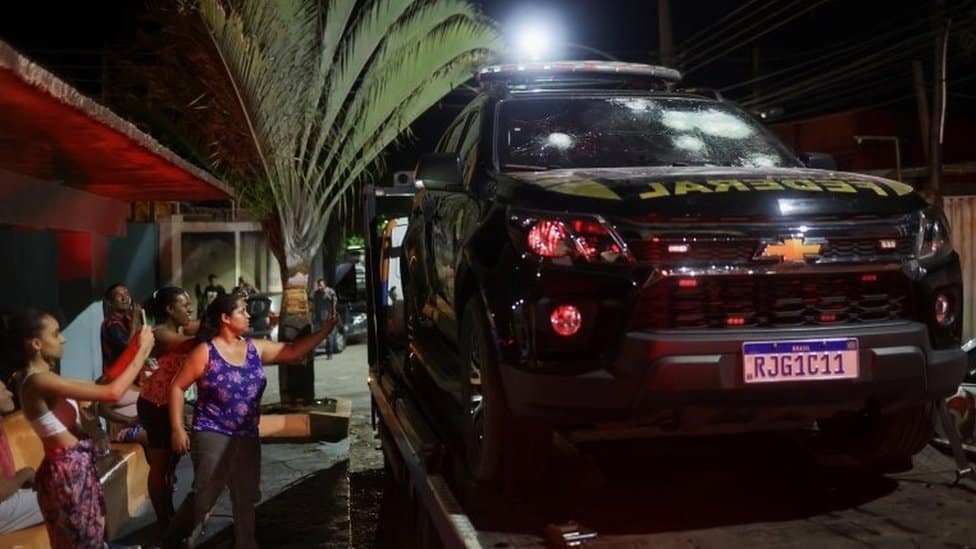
(350, 288)
(264, 311)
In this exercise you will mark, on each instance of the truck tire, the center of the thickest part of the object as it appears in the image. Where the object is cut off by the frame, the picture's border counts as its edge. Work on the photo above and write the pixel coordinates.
(883, 442)
(499, 447)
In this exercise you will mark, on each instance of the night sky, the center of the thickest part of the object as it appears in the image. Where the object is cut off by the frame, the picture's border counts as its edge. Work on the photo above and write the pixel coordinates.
(717, 47)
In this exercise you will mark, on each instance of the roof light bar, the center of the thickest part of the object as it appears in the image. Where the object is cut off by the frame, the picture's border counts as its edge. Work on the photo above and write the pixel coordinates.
(499, 72)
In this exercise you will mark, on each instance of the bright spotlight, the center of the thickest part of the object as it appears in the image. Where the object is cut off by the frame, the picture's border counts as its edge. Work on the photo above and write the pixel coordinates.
(534, 43)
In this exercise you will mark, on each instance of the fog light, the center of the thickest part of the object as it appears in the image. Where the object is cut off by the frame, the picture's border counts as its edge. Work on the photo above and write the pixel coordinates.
(944, 313)
(566, 320)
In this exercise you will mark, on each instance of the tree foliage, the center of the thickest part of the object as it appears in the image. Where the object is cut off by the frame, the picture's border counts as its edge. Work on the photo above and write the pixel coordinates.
(294, 100)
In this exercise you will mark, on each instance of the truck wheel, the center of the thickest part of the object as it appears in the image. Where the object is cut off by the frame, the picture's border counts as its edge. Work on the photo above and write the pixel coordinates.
(884, 442)
(496, 444)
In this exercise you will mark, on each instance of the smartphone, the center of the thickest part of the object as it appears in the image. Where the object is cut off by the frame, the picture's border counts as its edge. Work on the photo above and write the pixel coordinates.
(143, 312)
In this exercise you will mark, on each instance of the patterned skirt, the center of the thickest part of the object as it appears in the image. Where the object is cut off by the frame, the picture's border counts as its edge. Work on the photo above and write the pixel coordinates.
(71, 498)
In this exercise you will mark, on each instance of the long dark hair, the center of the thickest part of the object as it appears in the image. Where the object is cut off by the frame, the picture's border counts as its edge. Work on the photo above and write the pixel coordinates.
(161, 300)
(223, 304)
(24, 325)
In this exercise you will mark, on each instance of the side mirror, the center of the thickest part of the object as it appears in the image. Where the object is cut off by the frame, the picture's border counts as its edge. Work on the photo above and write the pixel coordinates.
(819, 161)
(440, 172)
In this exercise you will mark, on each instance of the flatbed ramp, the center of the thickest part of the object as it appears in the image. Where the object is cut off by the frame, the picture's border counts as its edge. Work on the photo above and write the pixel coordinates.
(751, 491)
(922, 510)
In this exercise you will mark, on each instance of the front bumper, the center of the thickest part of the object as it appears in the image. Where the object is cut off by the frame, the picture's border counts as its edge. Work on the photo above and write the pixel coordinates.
(691, 381)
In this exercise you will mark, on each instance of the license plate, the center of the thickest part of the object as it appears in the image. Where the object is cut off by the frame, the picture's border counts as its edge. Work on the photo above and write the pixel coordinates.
(801, 360)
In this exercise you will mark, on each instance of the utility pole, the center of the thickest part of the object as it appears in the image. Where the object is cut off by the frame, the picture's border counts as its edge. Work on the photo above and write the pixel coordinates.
(665, 40)
(937, 119)
(922, 103)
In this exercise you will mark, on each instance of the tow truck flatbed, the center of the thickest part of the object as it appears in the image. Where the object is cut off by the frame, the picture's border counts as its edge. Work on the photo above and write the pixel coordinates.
(673, 493)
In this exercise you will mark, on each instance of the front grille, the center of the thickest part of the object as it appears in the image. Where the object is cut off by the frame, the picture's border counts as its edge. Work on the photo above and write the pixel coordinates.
(847, 248)
(740, 251)
(779, 300)
(703, 252)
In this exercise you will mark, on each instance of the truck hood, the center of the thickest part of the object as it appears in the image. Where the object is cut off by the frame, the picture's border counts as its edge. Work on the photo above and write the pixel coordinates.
(708, 192)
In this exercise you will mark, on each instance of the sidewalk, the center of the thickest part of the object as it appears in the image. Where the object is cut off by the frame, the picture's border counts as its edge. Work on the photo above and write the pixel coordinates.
(304, 487)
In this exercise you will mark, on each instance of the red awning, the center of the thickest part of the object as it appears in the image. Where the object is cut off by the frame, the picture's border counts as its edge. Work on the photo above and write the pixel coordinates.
(49, 130)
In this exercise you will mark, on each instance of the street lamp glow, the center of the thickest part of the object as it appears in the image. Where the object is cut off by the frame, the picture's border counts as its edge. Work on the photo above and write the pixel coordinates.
(534, 43)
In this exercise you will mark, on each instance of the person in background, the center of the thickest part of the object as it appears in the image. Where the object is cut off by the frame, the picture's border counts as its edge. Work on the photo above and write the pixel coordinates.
(122, 321)
(210, 292)
(175, 328)
(68, 490)
(18, 500)
(229, 372)
(244, 288)
(323, 308)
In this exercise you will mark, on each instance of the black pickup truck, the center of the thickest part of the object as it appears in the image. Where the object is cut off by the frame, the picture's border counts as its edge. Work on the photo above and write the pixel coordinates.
(596, 254)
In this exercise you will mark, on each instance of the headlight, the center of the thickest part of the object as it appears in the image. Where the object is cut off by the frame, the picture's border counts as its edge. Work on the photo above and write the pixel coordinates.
(933, 234)
(567, 237)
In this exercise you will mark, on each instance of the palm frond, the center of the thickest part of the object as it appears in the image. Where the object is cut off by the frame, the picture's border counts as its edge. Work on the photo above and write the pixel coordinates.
(414, 28)
(320, 88)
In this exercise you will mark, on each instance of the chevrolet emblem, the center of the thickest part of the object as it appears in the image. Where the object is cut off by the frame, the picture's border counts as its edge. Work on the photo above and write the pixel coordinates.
(791, 250)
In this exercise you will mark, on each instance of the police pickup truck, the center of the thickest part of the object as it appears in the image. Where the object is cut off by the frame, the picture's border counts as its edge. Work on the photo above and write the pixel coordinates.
(596, 255)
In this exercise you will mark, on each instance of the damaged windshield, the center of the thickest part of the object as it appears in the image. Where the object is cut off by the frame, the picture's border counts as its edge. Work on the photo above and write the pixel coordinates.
(588, 132)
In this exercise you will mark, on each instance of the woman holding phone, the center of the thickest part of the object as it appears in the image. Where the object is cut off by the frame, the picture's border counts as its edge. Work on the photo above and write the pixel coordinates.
(174, 331)
(68, 490)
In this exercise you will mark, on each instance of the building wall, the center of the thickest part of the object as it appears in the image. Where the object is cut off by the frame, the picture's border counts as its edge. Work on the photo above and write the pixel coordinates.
(30, 278)
(133, 260)
(834, 134)
(191, 250)
(66, 273)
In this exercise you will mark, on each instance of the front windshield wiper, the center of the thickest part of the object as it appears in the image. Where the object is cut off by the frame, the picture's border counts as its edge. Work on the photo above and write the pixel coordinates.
(680, 164)
(527, 167)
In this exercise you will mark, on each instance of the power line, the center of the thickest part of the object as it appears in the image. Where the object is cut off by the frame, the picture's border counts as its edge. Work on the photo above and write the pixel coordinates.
(820, 109)
(846, 49)
(881, 58)
(854, 71)
(718, 23)
(796, 15)
(705, 48)
(842, 89)
(968, 23)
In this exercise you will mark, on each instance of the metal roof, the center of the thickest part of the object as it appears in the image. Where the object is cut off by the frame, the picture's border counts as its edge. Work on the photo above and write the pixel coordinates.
(51, 131)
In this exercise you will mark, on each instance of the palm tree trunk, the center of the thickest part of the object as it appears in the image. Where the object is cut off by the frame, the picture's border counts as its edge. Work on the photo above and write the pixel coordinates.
(296, 381)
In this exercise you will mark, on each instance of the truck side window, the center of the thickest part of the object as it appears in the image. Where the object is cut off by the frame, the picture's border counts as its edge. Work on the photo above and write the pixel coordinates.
(468, 151)
(451, 138)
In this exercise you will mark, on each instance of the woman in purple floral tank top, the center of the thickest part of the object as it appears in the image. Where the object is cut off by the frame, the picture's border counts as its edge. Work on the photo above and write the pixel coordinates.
(229, 372)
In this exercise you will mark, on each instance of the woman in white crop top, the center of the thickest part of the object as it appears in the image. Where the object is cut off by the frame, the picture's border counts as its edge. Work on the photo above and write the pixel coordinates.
(75, 518)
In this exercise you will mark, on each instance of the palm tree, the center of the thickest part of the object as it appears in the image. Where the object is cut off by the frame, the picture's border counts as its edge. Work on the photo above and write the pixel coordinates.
(302, 96)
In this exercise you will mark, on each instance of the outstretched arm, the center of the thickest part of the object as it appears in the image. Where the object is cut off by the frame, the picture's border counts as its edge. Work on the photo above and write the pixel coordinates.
(136, 354)
(273, 352)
